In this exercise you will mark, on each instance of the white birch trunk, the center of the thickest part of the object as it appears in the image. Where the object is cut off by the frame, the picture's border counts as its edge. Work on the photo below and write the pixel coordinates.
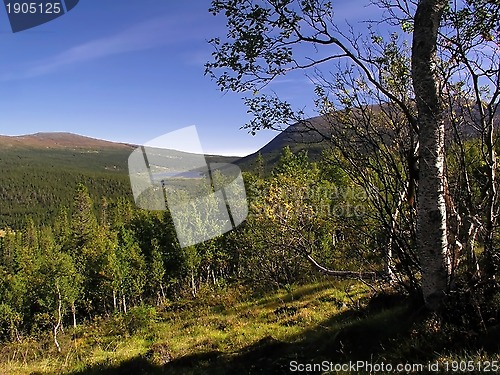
(492, 256)
(124, 304)
(73, 311)
(432, 243)
(114, 301)
(59, 318)
(164, 297)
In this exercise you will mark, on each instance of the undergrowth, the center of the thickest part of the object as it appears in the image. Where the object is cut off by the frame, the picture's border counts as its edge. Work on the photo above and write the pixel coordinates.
(234, 330)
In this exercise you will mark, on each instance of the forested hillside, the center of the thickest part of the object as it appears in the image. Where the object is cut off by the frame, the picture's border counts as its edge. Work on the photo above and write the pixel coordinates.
(37, 177)
(39, 174)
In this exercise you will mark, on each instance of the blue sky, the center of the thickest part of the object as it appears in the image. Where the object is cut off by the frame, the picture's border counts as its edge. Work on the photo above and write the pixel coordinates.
(128, 71)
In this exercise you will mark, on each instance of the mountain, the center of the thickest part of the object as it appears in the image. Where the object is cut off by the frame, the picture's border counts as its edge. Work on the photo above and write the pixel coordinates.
(310, 135)
(300, 136)
(39, 173)
(58, 140)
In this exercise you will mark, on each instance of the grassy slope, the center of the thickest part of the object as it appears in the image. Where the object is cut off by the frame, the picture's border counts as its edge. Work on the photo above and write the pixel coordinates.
(232, 331)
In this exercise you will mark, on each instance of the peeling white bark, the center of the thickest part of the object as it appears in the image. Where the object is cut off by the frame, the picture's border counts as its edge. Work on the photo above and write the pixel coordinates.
(432, 243)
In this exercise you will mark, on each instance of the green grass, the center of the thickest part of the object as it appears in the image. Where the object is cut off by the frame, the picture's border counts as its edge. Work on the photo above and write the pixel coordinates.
(223, 322)
(235, 331)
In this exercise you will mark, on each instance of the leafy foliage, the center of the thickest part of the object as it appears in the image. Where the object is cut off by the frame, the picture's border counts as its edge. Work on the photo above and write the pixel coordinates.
(111, 258)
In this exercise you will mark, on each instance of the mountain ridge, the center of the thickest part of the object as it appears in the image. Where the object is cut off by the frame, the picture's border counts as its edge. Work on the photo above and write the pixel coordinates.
(59, 140)
(303, 135)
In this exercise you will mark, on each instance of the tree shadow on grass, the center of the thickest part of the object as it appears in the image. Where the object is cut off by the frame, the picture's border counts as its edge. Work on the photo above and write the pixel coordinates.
(364, 335)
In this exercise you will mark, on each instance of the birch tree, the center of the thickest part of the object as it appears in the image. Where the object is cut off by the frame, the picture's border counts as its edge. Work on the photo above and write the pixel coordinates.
(271, 38)
(432, 236)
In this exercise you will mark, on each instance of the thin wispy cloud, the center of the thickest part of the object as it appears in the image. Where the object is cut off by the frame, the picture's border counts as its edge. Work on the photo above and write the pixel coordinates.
(147, 35)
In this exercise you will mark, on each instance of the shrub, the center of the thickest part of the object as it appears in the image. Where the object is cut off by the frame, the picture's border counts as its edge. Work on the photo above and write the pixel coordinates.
(9, 321)
(139, 318)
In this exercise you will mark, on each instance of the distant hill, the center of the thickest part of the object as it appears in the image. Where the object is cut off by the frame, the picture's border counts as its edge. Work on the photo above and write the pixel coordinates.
(299, 136)
(59, 140)
(39, 173)
(309, 135)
